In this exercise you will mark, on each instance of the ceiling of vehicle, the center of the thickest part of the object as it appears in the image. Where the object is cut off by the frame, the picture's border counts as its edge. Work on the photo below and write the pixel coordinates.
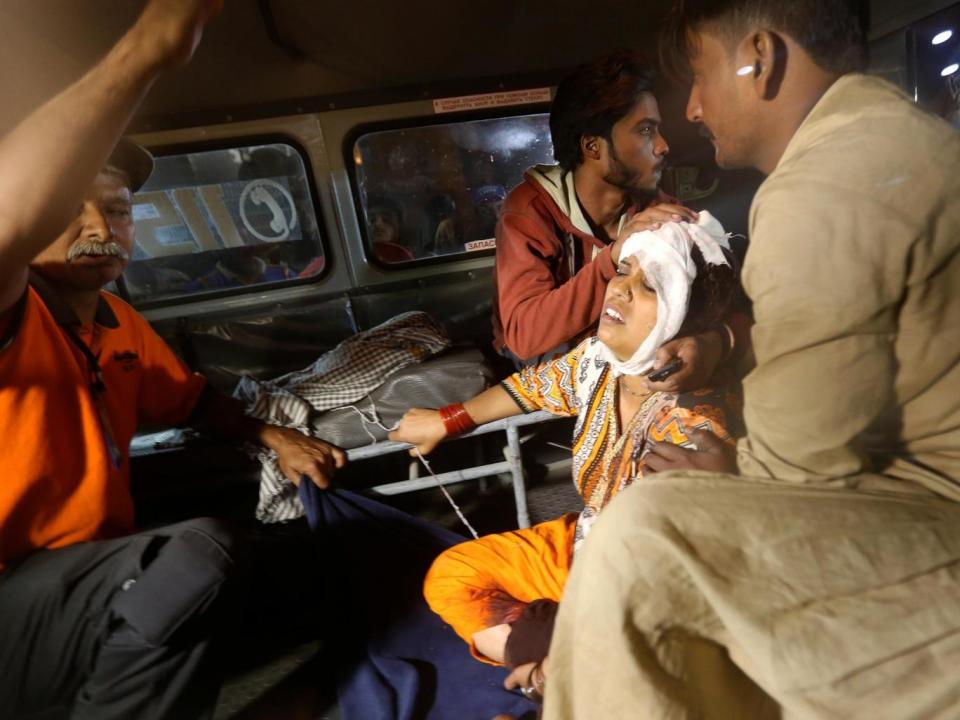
(343, 47)
(262, 51)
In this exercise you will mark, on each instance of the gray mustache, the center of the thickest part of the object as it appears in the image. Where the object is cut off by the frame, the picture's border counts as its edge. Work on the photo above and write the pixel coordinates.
(96, 249)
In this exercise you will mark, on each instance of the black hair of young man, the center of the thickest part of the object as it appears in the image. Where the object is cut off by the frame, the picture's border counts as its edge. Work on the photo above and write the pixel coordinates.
(832, 32)
(591, 99)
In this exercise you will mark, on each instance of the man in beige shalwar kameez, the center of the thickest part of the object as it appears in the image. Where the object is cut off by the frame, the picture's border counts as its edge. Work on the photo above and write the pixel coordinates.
(823, 580)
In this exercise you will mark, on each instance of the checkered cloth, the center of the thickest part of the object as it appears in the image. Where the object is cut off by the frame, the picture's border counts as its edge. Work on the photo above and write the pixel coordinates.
(339, 377)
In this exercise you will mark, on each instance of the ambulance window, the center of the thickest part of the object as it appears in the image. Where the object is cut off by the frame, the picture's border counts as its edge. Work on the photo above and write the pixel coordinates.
(436, 190)
(223, 221)
(923, 59)
(936, 63)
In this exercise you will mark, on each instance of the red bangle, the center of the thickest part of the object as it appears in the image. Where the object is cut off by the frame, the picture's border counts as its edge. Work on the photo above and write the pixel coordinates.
(456, 419)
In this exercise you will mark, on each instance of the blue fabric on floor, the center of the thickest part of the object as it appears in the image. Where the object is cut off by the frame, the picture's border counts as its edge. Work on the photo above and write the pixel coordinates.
(396, 659)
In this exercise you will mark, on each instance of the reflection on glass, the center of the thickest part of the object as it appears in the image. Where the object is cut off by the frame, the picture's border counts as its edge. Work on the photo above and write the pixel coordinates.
(935, 63)
(437, 190)
(941, 37)
(223, 219)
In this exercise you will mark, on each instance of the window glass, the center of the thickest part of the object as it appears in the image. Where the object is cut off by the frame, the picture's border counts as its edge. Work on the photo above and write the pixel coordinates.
(223, 219)
(436, 190)
(936, 43)
(924, 60)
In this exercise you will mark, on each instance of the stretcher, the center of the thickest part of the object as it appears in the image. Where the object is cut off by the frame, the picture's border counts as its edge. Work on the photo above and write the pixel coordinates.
(512, 463)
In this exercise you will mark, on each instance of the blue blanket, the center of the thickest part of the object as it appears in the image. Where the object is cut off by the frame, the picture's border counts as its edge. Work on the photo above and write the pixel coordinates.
(396, 660)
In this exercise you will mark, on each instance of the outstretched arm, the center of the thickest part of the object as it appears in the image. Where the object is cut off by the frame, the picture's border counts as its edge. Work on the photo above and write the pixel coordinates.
(425, 428)
(549, 386)
(49, 160)
(297, 454)
(537, 313)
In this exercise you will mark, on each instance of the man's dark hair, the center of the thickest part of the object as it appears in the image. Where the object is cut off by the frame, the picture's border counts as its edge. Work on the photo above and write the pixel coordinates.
(833, 32)
(593, 98)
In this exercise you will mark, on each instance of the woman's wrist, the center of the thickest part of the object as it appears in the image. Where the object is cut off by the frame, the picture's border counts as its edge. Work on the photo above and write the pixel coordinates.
(456, 419)
(536, 684)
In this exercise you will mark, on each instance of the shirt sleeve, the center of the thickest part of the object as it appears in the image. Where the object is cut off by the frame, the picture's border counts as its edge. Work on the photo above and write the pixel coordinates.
(825, 278)
(169, 390)
(550, 386)
(537, 313)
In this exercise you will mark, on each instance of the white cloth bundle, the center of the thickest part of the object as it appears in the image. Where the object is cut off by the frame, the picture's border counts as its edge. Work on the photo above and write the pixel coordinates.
(665, 258)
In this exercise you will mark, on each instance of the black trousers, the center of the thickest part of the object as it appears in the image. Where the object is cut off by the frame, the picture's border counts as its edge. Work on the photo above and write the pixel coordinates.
(121, 628)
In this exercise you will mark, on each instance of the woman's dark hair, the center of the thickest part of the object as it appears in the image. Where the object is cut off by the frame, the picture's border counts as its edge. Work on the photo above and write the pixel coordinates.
(833, 32)
(593, 98)
(711, 293)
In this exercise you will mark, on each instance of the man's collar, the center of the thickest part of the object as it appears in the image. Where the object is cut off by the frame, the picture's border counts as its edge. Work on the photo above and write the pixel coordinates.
(63, 313)
(574, 209)
(833, 100)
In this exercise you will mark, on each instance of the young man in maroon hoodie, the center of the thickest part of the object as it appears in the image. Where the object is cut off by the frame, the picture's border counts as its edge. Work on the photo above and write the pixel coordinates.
(560, 230)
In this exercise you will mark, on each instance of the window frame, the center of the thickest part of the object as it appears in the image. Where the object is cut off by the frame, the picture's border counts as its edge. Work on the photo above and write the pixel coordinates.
(407, 123)
(235, 143)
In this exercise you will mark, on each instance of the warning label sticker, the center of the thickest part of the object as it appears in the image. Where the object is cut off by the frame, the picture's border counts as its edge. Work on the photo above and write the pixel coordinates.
(490, 100)
(488, 244)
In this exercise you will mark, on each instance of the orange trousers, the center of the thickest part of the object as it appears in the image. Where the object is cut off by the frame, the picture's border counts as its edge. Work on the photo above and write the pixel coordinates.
(487, 582)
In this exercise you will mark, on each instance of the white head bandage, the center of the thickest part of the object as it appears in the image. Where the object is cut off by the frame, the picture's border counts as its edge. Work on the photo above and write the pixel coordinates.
(665, 257)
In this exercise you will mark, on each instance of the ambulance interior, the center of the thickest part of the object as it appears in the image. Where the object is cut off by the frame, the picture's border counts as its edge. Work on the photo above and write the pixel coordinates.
(323, 168)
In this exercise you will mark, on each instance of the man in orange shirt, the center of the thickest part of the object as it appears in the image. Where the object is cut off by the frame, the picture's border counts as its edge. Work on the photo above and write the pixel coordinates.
(97, 621)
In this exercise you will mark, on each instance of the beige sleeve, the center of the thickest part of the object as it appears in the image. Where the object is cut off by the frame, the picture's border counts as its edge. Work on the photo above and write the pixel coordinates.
(825, 271)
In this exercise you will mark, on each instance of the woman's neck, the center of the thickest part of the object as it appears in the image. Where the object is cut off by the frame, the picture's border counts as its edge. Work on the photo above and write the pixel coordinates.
(634, 393)
(635, 386)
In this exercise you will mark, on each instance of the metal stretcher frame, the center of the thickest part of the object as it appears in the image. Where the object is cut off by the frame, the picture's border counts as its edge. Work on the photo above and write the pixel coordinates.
(512, 462)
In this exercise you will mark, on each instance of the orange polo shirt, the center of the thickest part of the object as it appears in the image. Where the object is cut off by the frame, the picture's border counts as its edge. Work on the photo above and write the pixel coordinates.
(58, 482)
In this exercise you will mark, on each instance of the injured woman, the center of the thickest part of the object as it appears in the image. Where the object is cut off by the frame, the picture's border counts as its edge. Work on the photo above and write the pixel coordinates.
(500, 592)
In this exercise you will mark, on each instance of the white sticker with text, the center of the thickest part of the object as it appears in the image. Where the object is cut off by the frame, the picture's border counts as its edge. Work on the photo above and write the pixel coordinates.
(488, 244)
(490, 100)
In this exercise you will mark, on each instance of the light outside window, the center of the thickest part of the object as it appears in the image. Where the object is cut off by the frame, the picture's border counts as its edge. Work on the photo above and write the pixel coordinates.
(436, 190)
(223, 220)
